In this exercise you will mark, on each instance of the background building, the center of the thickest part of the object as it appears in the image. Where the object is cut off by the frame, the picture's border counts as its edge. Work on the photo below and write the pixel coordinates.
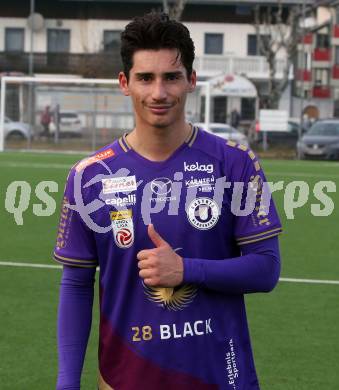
(316, 82)
(82, 38)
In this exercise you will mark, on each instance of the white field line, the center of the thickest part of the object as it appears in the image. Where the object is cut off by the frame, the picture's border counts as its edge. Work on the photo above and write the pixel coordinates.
(50, 152)
(310, 281)
(316, 164)
(34, 165)
(68, 166)
(300, 174)
(292, 280)
(28, 265)
(296, 163)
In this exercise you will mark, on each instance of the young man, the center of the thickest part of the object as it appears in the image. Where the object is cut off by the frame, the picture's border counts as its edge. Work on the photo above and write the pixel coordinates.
(159, 211)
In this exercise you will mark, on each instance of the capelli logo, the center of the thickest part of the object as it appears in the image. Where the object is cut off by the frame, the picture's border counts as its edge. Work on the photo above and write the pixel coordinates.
(198, 167)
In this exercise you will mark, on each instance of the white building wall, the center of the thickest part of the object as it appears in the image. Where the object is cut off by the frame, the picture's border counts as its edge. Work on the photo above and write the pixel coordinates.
(235, 37)
(325, 107)
(96, 31)
(87, 35)
(285, 100)
(14, 23)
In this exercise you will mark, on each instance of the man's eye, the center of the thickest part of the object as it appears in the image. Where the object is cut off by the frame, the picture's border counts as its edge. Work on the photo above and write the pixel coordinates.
(144, 77)
(172, 77)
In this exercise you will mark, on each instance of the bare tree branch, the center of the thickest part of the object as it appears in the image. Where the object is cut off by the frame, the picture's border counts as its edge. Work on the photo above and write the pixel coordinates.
(175, 9)
(275, 34)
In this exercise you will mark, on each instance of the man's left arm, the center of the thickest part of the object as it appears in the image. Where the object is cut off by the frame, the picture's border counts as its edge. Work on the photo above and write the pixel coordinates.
(257, 270)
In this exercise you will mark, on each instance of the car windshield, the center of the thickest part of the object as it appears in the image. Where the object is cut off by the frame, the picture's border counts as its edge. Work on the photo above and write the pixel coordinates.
(221, 130)
(68, 115)
(330, 128)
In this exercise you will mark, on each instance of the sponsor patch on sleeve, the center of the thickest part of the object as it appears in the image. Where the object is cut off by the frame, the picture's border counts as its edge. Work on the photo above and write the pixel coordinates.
(93, 159)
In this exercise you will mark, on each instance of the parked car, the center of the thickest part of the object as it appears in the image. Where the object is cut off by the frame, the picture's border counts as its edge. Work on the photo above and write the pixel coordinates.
(225, 131)
(16, 130)
(70, 124)
(321, 140)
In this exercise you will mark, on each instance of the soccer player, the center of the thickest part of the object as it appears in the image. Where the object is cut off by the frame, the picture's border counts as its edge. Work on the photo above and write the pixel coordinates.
(164, 212)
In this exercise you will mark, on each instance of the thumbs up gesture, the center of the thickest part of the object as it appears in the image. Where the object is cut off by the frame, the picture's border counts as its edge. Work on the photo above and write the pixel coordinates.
(160, 266)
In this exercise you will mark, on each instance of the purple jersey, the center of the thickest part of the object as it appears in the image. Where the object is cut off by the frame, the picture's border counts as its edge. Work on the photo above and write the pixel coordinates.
(182, 338)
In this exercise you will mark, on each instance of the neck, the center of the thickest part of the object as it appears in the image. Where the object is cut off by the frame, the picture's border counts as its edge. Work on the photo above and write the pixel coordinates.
(157, 144)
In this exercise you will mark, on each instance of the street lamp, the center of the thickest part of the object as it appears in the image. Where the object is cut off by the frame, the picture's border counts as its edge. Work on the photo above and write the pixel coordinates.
(31, 49)
(31, 72)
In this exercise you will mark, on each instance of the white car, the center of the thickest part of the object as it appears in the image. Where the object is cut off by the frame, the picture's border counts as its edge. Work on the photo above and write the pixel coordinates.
(16, 130)
(70, 124)
(225, 131)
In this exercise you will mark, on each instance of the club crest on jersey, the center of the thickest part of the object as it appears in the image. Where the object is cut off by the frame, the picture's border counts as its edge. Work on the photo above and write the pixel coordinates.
(123, 228)
(203, 213)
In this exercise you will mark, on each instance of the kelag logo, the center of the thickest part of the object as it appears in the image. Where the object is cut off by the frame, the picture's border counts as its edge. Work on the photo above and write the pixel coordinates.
(198, 167)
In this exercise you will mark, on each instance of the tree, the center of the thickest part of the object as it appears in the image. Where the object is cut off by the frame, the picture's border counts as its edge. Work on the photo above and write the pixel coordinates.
(175, 9)
(279, 29)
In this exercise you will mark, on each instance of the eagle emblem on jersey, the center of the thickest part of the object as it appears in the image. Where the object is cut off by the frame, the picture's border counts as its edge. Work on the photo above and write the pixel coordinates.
(172, 298)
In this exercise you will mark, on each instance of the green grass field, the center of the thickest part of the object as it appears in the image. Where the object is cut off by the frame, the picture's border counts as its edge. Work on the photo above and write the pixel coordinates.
(294, 329)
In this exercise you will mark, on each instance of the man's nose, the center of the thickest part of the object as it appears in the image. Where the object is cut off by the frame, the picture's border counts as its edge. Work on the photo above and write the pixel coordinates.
(159, 90)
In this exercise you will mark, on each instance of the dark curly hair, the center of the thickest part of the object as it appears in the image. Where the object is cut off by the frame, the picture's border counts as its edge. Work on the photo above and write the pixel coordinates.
(155, 31)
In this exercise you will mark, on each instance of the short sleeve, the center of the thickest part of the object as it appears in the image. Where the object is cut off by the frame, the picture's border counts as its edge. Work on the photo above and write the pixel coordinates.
(75, 243)
(263, 221)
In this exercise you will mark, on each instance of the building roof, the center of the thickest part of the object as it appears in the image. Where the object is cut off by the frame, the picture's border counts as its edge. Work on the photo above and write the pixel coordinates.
(204, 2)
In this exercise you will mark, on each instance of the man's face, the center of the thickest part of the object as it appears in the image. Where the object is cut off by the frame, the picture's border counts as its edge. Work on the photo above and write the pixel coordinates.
(158, 86)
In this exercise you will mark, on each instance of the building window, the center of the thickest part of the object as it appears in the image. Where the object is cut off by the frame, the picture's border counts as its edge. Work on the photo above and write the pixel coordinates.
(220, 109)
(202, 108)
(14, 39)
(323, 41)
(243, 10)
(58, 41)
(214, 43)
(247, 108)
(111, 40)
(304, 60)
(252, 44)
(321, 77)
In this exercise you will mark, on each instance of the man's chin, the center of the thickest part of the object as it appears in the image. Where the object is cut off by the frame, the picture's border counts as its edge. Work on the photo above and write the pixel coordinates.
(161, 123)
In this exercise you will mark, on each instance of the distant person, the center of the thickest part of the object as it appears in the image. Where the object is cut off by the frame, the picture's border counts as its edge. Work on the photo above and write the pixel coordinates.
(235, 118)
(45, 120)
(307, 122)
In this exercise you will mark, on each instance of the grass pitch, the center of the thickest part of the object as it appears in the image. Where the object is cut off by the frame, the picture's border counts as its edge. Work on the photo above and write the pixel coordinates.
(294, 329)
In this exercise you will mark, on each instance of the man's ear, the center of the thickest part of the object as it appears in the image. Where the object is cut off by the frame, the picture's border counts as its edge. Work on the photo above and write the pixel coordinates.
(193, 81)
(123, 83)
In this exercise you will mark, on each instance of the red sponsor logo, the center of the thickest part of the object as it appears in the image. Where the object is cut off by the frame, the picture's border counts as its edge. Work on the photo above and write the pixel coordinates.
(91, 160)
(124, 238)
